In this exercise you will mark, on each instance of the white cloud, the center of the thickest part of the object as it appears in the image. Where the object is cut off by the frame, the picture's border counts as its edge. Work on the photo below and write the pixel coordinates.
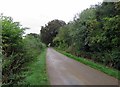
(36, 13)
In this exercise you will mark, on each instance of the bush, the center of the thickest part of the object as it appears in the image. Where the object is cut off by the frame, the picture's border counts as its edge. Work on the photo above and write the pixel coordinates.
(17, 52)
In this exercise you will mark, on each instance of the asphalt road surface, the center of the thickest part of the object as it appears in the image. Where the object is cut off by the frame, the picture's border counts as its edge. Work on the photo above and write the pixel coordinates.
(65, 71)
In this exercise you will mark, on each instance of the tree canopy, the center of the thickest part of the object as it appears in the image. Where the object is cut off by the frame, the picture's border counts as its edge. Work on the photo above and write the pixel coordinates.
(50, 31)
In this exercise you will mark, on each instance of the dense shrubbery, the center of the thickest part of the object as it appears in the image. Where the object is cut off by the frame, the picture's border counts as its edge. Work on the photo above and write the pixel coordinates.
(32, 46)
(17, 50)
(94, 34)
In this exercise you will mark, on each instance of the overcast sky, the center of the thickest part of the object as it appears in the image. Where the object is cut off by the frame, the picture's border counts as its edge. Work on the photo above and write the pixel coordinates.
(36, 13)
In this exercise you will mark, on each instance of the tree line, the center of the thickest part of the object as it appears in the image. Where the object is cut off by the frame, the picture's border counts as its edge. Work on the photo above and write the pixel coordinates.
(93, 34)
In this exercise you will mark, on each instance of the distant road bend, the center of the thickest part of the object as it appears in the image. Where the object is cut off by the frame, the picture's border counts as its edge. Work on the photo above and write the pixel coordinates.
(65, 71)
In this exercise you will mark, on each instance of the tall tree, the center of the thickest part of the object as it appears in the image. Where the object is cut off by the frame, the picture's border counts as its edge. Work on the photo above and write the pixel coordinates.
(50, 31)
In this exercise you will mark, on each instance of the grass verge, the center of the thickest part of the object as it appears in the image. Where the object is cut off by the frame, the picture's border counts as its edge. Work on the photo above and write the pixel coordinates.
(37, 74)
(112, 72)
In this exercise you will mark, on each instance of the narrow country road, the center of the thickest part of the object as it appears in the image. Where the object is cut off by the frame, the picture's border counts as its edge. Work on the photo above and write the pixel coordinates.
(66, 71)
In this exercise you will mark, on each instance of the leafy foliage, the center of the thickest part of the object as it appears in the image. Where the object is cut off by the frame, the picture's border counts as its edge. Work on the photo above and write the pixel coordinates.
(94, 34)
(17, 51)
(50, 31)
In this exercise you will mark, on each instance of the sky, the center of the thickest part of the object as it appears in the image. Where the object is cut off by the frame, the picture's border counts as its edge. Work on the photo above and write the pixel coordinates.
(36, 13)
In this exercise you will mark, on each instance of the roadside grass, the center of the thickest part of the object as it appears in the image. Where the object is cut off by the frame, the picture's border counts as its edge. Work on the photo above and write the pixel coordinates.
(110, 71)
(37, 74)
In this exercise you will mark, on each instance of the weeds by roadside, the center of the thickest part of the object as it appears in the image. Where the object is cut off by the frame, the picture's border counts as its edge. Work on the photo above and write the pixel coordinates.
(37, 74)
